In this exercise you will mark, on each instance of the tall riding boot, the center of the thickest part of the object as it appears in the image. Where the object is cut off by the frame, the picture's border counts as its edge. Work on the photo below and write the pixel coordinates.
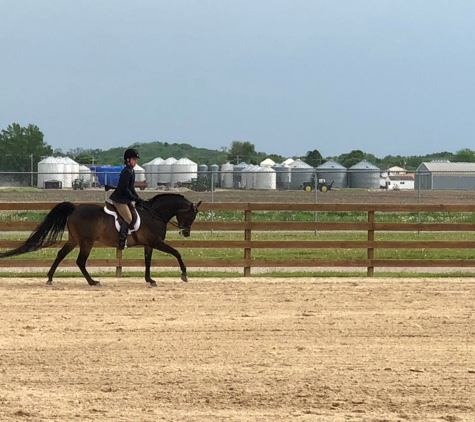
(124, 227)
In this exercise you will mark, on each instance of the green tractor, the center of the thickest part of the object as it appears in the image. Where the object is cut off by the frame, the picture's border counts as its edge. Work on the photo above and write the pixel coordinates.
(322, 185)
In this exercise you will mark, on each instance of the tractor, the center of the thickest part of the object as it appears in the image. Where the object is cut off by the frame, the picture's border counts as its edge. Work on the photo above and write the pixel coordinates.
(322, 185)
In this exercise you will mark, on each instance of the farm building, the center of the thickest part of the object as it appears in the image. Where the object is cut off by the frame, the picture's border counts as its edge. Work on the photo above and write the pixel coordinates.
(401, 182)
(445, 175)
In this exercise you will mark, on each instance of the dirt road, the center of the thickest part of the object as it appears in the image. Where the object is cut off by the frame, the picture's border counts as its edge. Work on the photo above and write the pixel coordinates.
(303, 349)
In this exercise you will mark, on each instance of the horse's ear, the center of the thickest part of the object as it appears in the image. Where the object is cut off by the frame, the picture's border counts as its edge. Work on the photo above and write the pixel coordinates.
(197, 205)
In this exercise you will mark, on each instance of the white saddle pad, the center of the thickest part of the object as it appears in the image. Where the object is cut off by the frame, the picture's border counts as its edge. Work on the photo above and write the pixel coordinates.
(117, 225)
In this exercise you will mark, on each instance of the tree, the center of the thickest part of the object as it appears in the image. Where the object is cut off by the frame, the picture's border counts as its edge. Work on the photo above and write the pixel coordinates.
(242, 151)
(314, 158)
(22, 147)
(352, 158)
(465, 155)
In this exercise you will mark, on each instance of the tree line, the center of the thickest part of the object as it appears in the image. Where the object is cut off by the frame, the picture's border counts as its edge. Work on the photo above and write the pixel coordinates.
(21, 148)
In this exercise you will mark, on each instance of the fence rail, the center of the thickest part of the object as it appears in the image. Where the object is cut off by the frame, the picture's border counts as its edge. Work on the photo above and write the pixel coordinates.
(248, 227)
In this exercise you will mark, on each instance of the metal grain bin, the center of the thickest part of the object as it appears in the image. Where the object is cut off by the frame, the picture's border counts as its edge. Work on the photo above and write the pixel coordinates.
(301, 172)
(364, 175)
(334, 172)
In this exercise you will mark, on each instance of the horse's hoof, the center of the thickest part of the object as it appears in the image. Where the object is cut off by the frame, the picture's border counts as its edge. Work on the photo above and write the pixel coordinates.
(152, 283)
(95, 284)
(184, 277)
(49, 283)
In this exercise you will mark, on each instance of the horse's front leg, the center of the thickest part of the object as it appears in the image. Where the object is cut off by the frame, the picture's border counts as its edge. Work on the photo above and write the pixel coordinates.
(162, 246)
(148, 260)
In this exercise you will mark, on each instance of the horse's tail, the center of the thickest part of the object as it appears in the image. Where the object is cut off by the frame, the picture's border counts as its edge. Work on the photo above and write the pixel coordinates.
(47, 233)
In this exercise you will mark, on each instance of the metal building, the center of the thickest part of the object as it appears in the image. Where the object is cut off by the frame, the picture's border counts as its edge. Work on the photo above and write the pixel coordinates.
(333, 172)
(444, 175)
(364, 175)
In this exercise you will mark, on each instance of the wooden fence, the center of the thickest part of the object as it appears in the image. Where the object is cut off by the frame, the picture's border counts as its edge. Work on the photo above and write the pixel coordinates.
(247, 245)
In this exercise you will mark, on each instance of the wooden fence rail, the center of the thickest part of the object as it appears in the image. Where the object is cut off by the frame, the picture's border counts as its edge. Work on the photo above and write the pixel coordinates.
(247, 227)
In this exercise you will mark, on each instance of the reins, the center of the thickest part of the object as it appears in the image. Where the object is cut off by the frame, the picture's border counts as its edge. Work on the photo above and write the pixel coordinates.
(147, 207)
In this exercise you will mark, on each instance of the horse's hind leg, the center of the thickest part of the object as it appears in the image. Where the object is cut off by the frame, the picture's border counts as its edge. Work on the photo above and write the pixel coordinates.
(84, 251)
(68, 247)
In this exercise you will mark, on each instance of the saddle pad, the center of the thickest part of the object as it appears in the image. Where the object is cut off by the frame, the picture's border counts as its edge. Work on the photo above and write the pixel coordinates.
(117, 226)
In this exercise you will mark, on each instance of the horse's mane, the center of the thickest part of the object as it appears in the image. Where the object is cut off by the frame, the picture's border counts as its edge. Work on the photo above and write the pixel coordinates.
(168, 197)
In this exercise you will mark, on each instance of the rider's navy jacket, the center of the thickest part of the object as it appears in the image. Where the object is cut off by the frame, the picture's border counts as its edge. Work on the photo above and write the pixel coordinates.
(125, 191)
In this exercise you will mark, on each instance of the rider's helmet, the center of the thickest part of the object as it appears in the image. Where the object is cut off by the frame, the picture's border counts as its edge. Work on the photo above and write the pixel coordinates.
(131, 153)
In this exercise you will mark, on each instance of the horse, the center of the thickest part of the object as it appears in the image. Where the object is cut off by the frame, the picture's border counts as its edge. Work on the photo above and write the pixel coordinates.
(88, 223)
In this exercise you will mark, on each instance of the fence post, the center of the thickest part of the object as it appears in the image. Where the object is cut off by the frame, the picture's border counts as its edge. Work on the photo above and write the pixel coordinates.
(247, 236)
(370, 269)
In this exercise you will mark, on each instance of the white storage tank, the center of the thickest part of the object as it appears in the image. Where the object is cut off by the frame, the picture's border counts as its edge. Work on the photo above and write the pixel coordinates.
(71, 172)
(265, 178)
(267, 163)
(227, 175)
(289, 161)
(151, 171)
(248, 177)
(165, 171)
(139, 173)
(183, 171)
(85, 175)
(49, 169)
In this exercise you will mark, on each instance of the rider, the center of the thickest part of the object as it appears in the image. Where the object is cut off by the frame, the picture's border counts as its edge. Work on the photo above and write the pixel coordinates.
(125, 193)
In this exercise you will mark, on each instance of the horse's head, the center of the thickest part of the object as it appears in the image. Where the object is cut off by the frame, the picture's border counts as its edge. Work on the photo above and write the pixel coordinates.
(185, 218)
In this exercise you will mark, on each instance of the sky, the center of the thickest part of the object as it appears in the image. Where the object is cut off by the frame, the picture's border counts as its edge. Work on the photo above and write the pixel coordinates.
(385, 77)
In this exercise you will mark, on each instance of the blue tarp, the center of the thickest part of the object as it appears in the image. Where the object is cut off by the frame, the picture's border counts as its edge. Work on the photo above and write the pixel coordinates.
(107, 175)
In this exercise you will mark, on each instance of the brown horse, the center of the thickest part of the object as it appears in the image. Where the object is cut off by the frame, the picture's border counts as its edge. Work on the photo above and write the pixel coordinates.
(88, 223)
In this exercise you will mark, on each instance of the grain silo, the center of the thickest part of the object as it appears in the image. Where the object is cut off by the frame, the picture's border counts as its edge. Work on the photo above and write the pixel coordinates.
(283, 176)
(227, 175)
(183, 171)
(333, 172)
(139, 173)
(165, 171)
(85, 175)
(300, 173)
(248, 177)
(214, 174)
(50, 173)
(238, 168)
(268, 162)
(265, 178)
(151, 172)
(364, 175)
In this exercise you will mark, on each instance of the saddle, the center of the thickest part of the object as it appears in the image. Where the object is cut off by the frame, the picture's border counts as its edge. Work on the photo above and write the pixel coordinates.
(110, 209)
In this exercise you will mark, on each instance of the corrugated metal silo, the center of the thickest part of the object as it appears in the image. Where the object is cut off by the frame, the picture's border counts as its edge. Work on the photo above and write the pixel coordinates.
(334, 172)
(301, 172)
(183, 171)
(227, 175)
(165, 171)
(238, 168)
(151, 171)
(265, 178)
(364, 175)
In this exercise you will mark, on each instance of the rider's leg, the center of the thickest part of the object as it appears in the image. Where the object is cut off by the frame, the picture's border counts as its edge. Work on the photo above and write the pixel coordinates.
(125, 213)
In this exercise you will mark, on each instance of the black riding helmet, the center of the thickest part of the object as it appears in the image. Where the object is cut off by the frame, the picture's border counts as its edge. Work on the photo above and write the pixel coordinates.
(131, 153)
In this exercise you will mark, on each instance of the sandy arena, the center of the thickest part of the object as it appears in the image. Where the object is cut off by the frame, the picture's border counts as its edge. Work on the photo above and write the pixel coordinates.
(235, 349)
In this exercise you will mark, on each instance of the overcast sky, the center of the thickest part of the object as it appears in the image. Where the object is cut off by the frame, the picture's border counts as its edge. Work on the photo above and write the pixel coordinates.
(387, 77)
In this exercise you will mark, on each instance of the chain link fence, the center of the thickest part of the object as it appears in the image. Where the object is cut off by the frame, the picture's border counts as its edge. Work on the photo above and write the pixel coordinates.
(250, 178)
